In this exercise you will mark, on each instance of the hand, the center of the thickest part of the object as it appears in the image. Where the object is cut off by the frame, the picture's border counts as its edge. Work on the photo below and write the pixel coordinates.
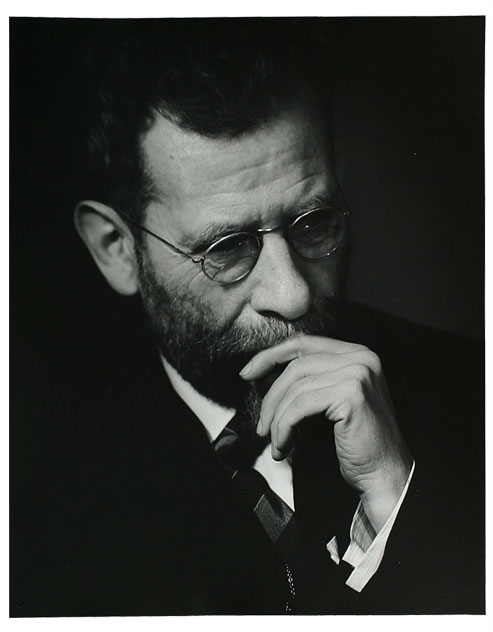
(344, 382)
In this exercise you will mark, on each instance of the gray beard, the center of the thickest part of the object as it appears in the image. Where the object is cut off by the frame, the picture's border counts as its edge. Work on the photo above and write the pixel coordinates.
(209, 356)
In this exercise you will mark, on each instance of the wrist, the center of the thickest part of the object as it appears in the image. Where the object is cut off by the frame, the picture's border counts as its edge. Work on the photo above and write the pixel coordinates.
(381, 497)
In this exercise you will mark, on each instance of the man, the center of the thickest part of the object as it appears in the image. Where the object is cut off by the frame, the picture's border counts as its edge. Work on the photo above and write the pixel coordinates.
(252, 462)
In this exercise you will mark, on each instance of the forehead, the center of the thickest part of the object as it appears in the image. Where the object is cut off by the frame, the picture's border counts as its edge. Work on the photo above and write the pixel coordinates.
(255, 178)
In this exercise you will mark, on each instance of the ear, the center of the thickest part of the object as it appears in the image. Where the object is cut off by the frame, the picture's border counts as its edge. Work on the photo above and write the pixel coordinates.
(110, 243)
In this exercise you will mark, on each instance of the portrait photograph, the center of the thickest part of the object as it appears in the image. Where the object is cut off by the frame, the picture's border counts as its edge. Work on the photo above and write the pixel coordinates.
(247, 272)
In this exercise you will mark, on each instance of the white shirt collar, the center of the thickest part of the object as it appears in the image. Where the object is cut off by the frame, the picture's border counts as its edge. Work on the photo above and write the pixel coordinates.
(214, 417)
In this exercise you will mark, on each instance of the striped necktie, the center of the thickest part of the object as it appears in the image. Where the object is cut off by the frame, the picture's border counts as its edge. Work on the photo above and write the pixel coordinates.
(237, 454)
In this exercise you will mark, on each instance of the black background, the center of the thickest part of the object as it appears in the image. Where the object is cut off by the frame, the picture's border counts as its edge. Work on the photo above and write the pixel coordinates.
(408, 123)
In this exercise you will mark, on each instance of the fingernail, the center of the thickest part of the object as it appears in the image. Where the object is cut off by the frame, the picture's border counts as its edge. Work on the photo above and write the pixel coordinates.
(246, 369)
(259, 426)
(276, 454)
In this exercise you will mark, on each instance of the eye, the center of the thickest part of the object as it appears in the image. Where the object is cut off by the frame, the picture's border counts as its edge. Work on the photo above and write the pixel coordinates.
(318, 233)
(232, 257)
(320, 224)
(229, 245)
(232, 248)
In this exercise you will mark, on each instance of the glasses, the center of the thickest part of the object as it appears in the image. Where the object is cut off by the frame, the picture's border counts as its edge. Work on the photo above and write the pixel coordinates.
(314, 235)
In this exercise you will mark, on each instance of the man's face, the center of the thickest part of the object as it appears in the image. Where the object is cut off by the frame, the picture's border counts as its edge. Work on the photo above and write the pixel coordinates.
(264, 178)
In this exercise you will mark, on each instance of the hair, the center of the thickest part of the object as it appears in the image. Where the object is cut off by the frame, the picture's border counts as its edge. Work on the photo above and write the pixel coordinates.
(218, 78)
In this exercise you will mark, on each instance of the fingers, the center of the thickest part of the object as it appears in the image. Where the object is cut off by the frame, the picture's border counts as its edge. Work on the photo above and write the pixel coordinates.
(306, 370)
(295, 347)
(305, 404)
(335, 394)
(321, 376)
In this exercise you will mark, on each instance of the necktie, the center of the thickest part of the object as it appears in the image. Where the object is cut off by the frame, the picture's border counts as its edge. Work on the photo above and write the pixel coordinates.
(238, 453)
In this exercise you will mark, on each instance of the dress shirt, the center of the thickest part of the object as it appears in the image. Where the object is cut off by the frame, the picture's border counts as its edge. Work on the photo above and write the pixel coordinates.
(366, 548)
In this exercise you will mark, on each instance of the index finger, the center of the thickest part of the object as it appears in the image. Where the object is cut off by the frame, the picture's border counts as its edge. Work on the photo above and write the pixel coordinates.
(295, 347)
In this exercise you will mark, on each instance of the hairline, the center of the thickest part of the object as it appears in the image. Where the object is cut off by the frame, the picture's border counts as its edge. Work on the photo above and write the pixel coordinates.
(304, 98)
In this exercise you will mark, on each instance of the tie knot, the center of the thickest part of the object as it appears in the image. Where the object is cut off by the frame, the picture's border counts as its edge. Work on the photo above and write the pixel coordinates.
(238, 448)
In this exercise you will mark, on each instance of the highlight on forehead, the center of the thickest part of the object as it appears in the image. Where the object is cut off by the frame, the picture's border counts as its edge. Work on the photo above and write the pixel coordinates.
(218, 78)
(165, 144)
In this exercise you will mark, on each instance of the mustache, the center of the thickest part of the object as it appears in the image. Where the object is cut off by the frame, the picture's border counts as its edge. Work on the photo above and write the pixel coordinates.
(238, 340)
(209, 351)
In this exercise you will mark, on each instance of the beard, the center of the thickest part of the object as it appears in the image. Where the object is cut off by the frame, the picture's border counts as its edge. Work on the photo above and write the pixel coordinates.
(209, 354)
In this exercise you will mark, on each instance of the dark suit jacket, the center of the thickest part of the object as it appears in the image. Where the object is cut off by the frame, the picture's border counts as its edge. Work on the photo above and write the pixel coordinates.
(119, 505)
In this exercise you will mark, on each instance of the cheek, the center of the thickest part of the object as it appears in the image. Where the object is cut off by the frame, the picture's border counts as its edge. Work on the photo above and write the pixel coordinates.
(176, 272)
(223, 303)
(226, 303)
(327, 277)
(184, 278)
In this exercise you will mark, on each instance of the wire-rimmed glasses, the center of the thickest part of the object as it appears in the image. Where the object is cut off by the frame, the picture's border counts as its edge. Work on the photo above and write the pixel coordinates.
(314, 235)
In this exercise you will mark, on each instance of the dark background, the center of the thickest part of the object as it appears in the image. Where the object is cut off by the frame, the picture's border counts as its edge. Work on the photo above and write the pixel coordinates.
(408, 124)
(409, 113)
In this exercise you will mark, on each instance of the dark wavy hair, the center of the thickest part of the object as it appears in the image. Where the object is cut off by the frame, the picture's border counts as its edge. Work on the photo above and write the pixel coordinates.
(218, 78)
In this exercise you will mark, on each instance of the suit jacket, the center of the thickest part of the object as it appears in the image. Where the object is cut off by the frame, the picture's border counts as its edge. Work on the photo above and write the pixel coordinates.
(119, 505)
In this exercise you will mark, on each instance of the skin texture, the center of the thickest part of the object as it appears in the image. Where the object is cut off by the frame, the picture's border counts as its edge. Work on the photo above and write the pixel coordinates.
(345, 383)
(264, 178)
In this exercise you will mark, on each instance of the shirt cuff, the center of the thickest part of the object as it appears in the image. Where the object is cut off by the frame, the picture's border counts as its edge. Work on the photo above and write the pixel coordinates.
(366, 548)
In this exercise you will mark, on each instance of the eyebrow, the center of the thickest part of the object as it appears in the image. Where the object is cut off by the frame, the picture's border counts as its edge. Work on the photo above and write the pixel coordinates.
(212, 233)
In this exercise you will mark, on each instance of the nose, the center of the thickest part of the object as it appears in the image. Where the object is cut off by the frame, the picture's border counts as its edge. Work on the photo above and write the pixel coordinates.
(280, 287)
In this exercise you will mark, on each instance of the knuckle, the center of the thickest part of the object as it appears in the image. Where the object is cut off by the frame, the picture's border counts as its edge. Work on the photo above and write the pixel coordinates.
(362, 373)
(301, 401)
(354, 391)
(294, 392)
(373, 361)
(297, 367)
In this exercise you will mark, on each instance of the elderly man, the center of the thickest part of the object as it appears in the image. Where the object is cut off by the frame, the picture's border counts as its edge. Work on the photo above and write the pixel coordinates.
(251, 461)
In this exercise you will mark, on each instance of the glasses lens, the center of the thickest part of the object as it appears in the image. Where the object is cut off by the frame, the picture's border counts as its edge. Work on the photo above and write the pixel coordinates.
(317, 234)
(231, 258)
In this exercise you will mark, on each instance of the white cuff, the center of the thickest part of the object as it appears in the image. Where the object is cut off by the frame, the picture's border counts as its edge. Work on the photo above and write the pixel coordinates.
(366, 548)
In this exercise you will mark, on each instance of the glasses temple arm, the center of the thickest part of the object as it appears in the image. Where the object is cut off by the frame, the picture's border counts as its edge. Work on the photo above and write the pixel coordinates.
(161, 239)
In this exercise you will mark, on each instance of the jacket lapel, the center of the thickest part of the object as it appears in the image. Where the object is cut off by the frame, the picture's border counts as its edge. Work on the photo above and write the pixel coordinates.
(232, 563)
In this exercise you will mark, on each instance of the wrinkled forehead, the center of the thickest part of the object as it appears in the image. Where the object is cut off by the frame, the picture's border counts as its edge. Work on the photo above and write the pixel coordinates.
(276, 167)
